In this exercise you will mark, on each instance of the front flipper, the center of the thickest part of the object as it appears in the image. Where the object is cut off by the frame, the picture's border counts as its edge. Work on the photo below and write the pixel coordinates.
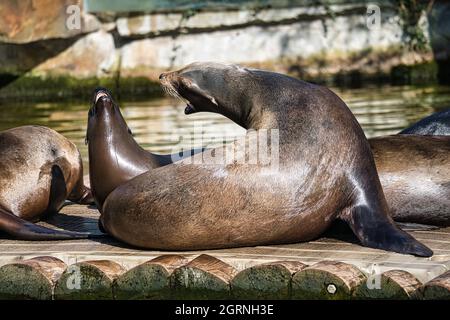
(58, 190)
(377, 231)
(24, 230)
(82, 196)
(80, 193)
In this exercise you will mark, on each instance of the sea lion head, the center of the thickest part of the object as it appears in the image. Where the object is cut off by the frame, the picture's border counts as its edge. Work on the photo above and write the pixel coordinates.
(209, 86)
(103, 114)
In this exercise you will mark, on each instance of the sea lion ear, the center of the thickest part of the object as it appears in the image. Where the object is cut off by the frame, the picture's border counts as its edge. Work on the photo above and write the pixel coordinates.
(129, 131)
(195, 88)
(86, 140)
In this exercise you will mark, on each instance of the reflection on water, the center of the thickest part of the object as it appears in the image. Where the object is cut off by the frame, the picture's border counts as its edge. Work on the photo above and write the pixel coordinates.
(161, 126)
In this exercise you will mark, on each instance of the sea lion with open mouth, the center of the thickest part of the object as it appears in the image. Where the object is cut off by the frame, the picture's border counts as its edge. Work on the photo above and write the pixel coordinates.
(39, 170)
(114, 156)
(325, 172)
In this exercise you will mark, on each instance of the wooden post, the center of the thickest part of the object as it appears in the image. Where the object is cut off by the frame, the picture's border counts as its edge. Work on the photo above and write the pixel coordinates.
(150, 280)
(205, 277)
(392, 284)
(30, 279)
(327, 280)
(88, 280)
(438, 288)
(265, 281)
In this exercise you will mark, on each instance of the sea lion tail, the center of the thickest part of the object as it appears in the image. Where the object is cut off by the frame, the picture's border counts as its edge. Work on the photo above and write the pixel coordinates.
(25, 230)
(378, 231)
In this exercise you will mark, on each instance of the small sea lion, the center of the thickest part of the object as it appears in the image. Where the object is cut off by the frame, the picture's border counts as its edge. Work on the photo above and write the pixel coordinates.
(39, 170)
(114, 156)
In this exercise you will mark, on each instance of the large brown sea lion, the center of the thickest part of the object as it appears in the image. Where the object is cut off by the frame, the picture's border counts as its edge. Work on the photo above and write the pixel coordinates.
(39, 170)
(114, 156)
(436, 124)
(415, 174)
(325, 171)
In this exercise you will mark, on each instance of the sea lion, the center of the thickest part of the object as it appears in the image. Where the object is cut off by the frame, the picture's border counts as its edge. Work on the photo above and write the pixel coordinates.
(415, 175)
(114, 156)
(39, 170)
(325, 172)
(436, 124)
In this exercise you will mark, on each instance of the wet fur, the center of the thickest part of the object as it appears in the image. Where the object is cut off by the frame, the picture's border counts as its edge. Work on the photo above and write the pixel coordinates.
(39, 170)
(436, 124)
(415, 174)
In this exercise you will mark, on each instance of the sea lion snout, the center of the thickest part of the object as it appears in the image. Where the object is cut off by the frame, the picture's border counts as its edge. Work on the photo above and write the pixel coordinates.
(99, 95)
(102, 102)
(168, 80)
(163, 75)
(100, 92)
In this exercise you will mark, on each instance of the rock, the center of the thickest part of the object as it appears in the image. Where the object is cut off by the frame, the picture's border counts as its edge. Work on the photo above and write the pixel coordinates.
(30, 279)
(265, 281)
(326, 40)
(393, 284)
(93, 55)
(29, 20)
(155, 24)
(438, 288)
(88, 280)
(329, 280)
(149, 280)
(148, 24)
(205, 277)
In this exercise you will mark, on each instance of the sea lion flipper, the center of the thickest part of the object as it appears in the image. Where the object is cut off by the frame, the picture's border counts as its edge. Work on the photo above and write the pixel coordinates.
(24, 230)
(377, 231)
(412, 226)
(58, 190)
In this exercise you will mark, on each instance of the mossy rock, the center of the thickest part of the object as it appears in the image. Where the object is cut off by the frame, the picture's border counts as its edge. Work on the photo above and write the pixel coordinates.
(265, 281)
(89, 280)
(392, 285)
(32, 279)
(149, 280)
(438, 288)
(205, 277)
(38, 88)
(327, 280)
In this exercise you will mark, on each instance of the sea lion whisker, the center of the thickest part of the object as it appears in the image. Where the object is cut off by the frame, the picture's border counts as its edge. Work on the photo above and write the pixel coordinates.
(171, 91)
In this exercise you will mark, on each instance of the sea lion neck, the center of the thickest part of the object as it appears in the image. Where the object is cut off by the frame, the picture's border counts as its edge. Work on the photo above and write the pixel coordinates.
(248, 113)
(108, 128)
(258, 117)
(114, 156)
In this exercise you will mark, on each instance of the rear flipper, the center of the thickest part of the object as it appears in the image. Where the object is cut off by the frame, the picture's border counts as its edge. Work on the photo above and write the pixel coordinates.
(377, 231)
(24, 230)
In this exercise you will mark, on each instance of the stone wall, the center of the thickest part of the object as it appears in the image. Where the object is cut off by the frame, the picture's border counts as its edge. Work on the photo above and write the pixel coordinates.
(313, 42)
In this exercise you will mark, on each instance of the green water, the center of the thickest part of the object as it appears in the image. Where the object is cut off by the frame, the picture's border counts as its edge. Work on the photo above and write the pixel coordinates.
(160, 125)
